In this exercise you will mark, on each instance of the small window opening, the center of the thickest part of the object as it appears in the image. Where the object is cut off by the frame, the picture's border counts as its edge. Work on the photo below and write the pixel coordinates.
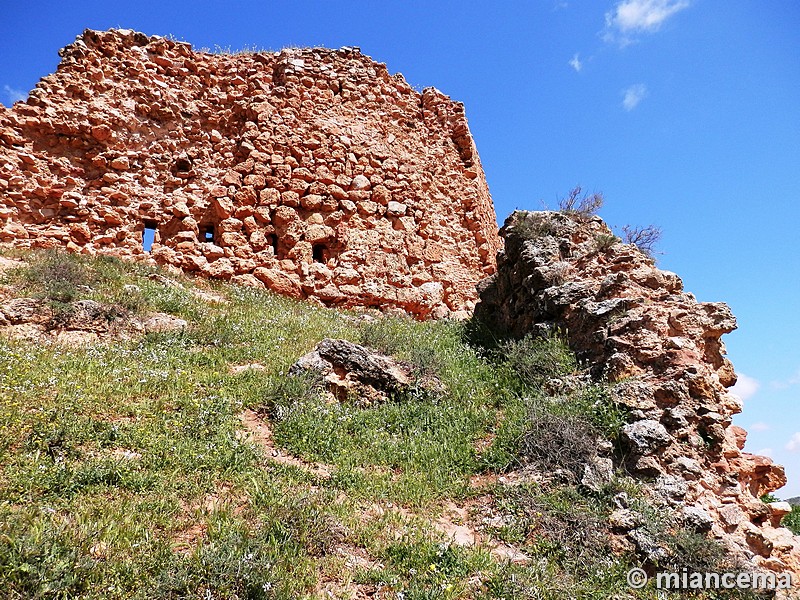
(207, 233)
(272, 240)
(319, 252)
(183, 165)
(148, 235)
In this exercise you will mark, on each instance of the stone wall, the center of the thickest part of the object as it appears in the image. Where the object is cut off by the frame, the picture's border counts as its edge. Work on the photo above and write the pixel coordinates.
(311, 171)
(639, 330)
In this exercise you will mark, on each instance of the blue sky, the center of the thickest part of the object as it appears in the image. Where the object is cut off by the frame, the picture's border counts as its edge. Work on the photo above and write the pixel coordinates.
(684, 113)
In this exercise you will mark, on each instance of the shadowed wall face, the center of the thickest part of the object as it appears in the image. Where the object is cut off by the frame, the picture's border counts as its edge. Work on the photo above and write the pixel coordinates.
(313, 172)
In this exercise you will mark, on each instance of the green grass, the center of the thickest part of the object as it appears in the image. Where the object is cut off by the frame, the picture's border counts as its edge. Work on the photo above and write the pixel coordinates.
(126, 474)
(792, 520)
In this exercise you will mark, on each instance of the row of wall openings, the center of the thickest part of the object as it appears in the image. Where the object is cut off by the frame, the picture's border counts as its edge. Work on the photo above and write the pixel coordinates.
(319, 252)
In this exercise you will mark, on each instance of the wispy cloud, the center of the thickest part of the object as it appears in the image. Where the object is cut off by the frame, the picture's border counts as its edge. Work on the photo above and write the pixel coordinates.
(576, 63)
(13, 95)
(760, 426)
(794, 444)
(764, 452)
(632, 17)
(746, 386)
(633, 95)
(788, 382)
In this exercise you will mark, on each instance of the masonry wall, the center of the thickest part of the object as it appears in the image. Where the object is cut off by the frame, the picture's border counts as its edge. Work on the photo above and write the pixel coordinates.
(311, 171)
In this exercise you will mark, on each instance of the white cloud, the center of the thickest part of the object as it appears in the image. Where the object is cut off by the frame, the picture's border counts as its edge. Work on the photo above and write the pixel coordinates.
(760, 426)
(633, 95)
(794, 444)
(13, 95)
(631, 17)
(764, 452)
(576, 63)
(746, 386)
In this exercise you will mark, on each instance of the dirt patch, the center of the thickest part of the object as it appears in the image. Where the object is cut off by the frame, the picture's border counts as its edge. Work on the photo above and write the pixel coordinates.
(460, 524)
(193, 516)
(10, 263)
(78, 323)
(238, 369)
(483, 480)
(335, 574)
(185, 541)
(261, 433)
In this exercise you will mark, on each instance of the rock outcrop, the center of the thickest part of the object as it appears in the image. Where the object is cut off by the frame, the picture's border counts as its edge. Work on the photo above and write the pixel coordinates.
(661, 349)
(352, 371)
(313, 172)
(80, 322)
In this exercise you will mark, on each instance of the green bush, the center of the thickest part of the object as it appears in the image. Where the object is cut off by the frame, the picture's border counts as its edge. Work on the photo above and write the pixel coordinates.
(42, 558)
(278, 393)
(536, 359)
(792, 520)
(605, 241)
(56, 276)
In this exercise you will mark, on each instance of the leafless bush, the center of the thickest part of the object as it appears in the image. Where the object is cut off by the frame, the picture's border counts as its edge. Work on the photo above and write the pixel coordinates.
(559, 442)
(645, 238)
(583, 205)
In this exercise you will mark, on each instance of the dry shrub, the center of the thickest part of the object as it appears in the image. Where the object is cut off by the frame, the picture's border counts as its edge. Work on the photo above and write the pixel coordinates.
(583, 205)
(556, 442)
(645, 238)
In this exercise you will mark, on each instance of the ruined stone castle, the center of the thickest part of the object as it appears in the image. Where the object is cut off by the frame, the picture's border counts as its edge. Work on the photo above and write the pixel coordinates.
(313, 172)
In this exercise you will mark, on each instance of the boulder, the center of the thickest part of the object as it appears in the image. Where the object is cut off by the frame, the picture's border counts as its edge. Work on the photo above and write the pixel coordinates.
(354, 371)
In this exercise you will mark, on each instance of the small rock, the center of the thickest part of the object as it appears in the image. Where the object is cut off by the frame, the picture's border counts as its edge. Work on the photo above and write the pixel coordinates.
(121, 163)
(597, 474)
(671, 488)
(625, 519)
(360, 183)
(697, 519)
(164, 323)
(647, 436)
(647, 546)
(350, 368)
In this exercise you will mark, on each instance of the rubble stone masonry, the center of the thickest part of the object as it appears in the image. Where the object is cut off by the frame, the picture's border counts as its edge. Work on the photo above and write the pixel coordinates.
(661, 349)
(313, 172)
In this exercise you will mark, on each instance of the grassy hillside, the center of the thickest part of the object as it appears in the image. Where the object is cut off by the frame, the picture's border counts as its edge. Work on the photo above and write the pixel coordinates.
(129, 472)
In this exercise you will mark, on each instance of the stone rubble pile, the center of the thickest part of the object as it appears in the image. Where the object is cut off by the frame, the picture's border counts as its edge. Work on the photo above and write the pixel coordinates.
(312, 172)
(661, 349)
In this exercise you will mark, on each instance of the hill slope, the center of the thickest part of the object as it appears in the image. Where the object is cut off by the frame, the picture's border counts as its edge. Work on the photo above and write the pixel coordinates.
(183, 462)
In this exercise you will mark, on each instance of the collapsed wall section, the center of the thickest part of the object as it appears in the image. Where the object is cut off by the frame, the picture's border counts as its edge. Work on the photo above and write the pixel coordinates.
(661, 348)
(311, 171)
